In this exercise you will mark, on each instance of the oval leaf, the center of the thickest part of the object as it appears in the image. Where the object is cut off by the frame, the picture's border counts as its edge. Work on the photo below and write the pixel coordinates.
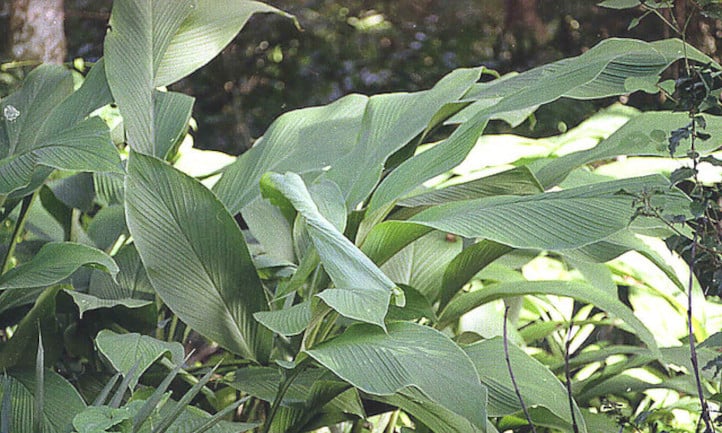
(195, 256)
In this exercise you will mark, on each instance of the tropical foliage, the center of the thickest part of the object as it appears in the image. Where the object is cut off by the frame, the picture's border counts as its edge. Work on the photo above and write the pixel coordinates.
(375, 264)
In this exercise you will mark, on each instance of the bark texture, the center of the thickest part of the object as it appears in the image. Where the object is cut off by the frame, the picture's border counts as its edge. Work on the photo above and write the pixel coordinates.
(37, 30)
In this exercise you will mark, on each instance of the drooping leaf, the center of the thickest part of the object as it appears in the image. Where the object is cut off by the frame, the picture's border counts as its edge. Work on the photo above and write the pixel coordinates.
(362, 291)
(54, 262)
(580, 291)
(539, 387)
(406, 357)
(86, 302)
(61, 401)
(124, 351)
(195, 256)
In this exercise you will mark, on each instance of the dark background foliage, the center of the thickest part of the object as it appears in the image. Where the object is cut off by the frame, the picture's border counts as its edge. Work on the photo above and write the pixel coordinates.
(369, 46)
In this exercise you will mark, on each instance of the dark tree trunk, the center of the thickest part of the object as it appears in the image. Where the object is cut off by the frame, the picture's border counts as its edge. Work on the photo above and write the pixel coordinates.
(37, 30)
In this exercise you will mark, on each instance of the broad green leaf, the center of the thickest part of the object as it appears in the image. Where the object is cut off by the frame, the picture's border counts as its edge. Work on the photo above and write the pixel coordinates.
(421, 264)
(389, 237)
(206, 30)
(107, 225)
(517, 181)
(126, 351)
(61, 401)
(21, 349)
(362, 291)
(645, 134)
(195, 256)
(602, 71)
(55, 262)
(555, 220)
(579, 291)
(391, 121)
(466, 264)
(407, 357)
(48, 130)
(304, 141)
(288, 321)
(539, 387)
(138, 36)
(347, 141)
(86, 302)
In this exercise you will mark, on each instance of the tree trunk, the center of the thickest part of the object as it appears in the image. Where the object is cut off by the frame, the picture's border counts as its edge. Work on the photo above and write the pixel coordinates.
(37, 30)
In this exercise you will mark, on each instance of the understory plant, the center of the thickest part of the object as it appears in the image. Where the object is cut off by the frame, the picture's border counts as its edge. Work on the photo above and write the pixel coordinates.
(374, 264)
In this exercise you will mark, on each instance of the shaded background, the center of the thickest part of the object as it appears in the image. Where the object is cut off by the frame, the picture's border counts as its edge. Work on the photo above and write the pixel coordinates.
(366, 46)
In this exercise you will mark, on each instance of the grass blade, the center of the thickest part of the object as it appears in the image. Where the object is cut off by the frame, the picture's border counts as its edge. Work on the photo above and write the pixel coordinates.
(39, 403)
(215, 419)
(150, 404)
(120, 392)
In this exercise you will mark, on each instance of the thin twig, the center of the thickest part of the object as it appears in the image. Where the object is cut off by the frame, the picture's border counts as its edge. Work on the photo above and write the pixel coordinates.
(692, 346)
(511, 373)
(568, 376)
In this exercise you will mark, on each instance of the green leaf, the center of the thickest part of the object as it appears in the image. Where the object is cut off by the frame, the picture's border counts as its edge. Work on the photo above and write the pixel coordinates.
(362, 291)
(467, 264)
(206, 30)
(49, 130)
(579, 291)
(22, 348)
(55, 262)
(391, 121)
(539, 387)
(154, 43)
(132, 280)
(124, 351)
(195, 256)
(288, 321)
(619, 4)
(86, 302)
(304, 141)
(421, 264)
(639, 136)
(61, 401)
(433, 415)
(409, 357)
(554, 220)
(517, 181)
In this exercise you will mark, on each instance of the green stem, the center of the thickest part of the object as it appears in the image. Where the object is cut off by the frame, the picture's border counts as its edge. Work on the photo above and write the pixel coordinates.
(391, 426)
(19, 226)
(190, 379)
(173, 326)
(282, 390)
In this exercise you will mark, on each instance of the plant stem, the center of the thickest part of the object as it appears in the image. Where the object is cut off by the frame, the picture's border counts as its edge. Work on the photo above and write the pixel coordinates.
(391, 426)
(511, 373)
(568, 377)
(19, 226)
(692, 345)
(282, 390)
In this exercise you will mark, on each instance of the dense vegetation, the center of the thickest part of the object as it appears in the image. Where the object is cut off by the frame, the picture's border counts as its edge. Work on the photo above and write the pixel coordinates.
(378, 263)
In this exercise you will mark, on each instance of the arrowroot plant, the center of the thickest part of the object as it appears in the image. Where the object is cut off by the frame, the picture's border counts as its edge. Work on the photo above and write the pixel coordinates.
(381, 280)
